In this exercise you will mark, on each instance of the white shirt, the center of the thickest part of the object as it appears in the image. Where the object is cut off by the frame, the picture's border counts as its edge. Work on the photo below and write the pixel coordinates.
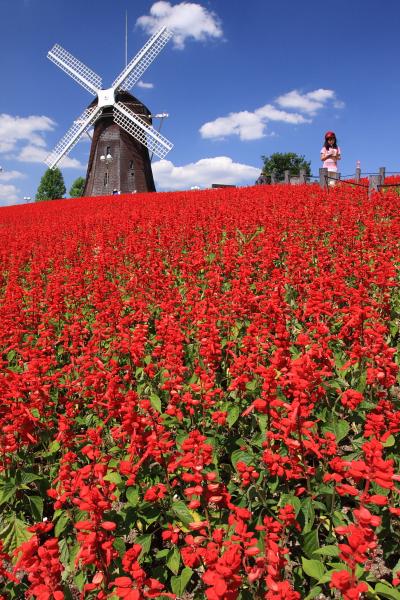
(330, 160)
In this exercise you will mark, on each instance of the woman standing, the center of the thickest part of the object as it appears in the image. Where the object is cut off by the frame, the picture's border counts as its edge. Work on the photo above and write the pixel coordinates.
(330, 152)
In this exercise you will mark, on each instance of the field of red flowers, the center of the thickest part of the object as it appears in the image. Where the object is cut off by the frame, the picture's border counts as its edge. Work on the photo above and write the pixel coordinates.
(200, 396)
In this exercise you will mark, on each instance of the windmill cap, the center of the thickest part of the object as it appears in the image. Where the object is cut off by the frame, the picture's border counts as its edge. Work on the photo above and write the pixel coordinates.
(330, 134)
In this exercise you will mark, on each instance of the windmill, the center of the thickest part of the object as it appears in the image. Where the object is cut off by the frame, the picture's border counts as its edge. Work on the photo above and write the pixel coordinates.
(123, 133)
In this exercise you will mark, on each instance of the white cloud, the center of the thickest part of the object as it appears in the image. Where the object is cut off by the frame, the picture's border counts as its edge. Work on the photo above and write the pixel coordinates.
(186, 20)
(248, 125)
(8, 194)
(252, 125)
(10, 175)
(144, 85)
(16, 129)
(203, 173)
(270, 113)
(71, 163)
(339, 104)
(244, 124)
(6, 146)
(310, 102)
(33, 154)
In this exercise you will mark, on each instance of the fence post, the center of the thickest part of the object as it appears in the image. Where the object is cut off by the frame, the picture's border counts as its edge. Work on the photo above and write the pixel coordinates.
(374, 182)
(333, 175)
(358, 174)
(273, 176)
(382, 175)
(287, 176)
(302, 176)
(323, 174)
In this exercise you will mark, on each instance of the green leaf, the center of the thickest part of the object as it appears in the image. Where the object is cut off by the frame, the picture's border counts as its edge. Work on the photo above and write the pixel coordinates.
(339, 428)
(36, 505)
(390, 441)
(178, 584)
(174, 560)
(145, 542)
(313, 568)
(132, 495)
(54, 447)
(73, 553)
(233, 415)
(240, 455)
(62, 523)
(362, 383)
(156, 403)
(328, 551)
(252, 385)
(150, 513)
(68, 594)
(310, 542)
(8, 489)
(339, 518)
(314, 593)
(113, 477)
(292, 500)
(23, 478)
(64, 556)
(120, 546)
(79, 580)
(11, 355)
(14, 534)
(387, 591)
(182, 512)
(307, 510)
(262, 422)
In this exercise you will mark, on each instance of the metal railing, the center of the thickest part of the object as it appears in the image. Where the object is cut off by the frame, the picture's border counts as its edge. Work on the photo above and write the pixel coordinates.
(327, 179)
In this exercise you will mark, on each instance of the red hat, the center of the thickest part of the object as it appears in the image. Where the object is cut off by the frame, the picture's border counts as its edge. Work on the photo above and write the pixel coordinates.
(330, 134)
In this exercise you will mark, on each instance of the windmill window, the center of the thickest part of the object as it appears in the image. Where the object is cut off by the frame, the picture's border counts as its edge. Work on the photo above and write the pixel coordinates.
(131, 165)
(105, 178)
(108, 151)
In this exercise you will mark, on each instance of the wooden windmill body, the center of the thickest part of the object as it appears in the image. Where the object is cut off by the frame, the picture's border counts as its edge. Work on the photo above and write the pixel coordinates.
(123, 133)
(130, 168)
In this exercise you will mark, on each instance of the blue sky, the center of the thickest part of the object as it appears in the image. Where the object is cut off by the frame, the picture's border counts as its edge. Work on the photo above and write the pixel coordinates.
(239, 80)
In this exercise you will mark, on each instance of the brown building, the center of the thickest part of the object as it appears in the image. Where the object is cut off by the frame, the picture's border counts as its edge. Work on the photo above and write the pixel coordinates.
(117, 160)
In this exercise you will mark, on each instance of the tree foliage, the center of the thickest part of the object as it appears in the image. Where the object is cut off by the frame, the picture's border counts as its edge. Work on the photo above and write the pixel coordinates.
(285, 161)
(51, 186)
(77, 188)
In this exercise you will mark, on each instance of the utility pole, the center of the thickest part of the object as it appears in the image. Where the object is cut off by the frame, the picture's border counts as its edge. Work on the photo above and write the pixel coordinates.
(126, 38)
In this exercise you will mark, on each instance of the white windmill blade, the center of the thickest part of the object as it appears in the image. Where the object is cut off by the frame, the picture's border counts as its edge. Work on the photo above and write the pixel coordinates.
(81, 124)
(76, 69)
(138, 65)
(140, 130)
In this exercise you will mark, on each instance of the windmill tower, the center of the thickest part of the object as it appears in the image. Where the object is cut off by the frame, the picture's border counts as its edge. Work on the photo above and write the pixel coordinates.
(123, 133)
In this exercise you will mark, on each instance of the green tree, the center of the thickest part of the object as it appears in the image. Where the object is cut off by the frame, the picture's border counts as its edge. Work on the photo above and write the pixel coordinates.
(51, 186)
(77, 188)
(288, 161)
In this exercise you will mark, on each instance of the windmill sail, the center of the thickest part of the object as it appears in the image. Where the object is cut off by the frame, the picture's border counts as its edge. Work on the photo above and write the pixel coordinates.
(138, 65)
(75, 69)
(81, 124)
(139, 129)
